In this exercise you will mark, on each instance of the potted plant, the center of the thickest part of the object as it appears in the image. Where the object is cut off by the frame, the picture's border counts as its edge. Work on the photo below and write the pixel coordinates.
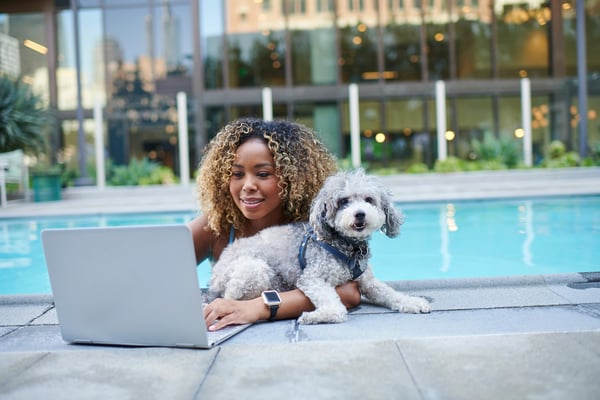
(24, 122)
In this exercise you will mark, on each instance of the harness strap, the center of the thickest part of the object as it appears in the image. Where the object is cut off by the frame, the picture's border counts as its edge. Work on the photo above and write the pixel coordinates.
(352, 261)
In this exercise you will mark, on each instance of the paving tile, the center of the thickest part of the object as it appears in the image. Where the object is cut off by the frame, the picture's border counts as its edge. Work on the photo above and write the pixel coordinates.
(20, 314)
(34, 338)
(356, 370)
(146, 373)
(524, 366)
(492, 297)
(579, 292)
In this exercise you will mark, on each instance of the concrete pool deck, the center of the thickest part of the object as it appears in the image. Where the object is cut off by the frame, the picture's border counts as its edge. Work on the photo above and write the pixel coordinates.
(510, 337)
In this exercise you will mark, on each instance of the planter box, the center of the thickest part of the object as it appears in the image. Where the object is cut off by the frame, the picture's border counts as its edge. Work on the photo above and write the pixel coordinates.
(46, 187)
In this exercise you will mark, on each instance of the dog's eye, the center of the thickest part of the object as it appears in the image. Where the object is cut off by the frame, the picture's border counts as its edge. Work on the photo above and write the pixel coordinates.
(370, 200)
(342, 202)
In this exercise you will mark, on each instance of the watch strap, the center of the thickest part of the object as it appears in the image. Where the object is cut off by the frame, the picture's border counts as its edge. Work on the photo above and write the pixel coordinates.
(273, 311)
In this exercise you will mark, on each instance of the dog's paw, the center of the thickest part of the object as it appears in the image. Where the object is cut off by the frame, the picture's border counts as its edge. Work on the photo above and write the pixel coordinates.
(415, 305)
(319, 317)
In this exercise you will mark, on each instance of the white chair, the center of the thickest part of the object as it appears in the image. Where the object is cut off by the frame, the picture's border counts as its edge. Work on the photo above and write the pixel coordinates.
(13, 169)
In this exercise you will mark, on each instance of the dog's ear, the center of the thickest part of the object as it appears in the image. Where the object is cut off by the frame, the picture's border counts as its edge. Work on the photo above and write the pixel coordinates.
(393, 216)
(322, 210)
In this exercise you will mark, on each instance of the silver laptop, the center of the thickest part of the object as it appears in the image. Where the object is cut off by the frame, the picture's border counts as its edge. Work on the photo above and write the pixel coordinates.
(133, 285)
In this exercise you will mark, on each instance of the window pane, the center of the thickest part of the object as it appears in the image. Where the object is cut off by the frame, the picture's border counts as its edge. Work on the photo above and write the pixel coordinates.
(313, 56)
(523, 39)
(324, 119)
(474, 119)
(438, 48)
(211, 15)
(473, 42)
(256, 45)
(25, 41)
(592, 36)
(91, 59)
(257, 59)
(402, 43)
(411, 141)
(359, 52)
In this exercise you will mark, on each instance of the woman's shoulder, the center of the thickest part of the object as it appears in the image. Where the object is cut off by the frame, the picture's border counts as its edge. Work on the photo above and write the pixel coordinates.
(206, 241)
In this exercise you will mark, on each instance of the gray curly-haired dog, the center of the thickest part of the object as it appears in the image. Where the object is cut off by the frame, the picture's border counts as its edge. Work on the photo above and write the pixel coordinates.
(316, 257)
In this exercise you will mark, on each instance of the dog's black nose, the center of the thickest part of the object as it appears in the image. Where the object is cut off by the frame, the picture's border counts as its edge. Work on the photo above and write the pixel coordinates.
(360, 216)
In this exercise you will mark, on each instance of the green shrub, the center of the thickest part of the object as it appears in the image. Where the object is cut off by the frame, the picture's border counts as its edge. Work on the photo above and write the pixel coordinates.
(24, 119)
(559, 157)
(451, 164)
(497, 151)
(417, 168)
(140, 172)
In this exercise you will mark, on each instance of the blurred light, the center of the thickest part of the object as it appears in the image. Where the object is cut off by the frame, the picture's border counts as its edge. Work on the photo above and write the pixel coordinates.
(380, 137)
(519, 133)
(449, 135)
(35, 46)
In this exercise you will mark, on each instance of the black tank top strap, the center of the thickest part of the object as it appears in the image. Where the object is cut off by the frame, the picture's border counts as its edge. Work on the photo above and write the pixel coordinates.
(231, 235)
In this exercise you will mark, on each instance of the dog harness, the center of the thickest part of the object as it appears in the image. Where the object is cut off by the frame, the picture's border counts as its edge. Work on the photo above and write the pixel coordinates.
(353, 261)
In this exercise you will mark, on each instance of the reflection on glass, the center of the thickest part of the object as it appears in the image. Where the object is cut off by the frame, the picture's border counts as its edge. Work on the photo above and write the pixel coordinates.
(324, 119)
(211, 31)
(257, 59)
(358, 52)
(26, 50)
(313, 55)
(144, 73)
(91, 59)
(402, 41)
(523, 38)
(473, 37)
(437, 39)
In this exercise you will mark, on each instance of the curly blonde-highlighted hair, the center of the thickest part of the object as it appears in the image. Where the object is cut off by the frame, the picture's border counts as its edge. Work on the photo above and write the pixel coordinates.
(302, 163)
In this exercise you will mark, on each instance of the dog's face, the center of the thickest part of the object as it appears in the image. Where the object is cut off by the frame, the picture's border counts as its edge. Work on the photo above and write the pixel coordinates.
(357, 214)
(354, 205)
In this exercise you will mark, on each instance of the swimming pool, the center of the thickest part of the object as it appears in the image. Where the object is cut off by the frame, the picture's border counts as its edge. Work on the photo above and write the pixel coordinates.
(438, 240)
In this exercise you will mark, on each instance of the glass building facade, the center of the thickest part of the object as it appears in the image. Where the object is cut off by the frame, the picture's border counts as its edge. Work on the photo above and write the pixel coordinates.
(133, 56)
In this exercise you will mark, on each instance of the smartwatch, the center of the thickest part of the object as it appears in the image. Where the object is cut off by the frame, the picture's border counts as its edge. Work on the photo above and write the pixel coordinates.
(272, 300)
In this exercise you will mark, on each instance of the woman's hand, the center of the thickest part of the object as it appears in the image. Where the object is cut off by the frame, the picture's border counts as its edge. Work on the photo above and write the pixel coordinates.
(223, 312)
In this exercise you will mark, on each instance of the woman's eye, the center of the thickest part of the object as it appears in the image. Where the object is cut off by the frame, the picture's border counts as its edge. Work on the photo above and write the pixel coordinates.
(237, 174)
(263, 174)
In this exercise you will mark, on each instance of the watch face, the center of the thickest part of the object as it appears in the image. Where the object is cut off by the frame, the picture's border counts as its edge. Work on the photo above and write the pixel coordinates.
(272, 296)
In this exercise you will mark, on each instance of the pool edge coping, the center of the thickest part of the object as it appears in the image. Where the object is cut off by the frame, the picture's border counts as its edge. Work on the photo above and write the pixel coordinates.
(402, 285)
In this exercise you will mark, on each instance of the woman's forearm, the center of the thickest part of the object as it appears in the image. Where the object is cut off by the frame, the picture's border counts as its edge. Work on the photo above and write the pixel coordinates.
(223, 312)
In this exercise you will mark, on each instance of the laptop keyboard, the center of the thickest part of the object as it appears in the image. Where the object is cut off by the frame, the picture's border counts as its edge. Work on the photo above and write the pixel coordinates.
(222, 334)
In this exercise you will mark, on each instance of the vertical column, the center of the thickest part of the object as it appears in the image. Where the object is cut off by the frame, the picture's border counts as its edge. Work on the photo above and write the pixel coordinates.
(99, 145)
(354, 124)
(582, 80)
(526, 120)
(267, 104)
(440, 113)
(184, 155)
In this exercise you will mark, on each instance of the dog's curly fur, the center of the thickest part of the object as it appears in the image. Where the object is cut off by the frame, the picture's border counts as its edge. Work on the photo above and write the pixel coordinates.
(344, 214)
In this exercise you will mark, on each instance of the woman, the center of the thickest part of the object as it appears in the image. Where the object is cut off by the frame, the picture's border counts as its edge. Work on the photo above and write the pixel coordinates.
(255, 174)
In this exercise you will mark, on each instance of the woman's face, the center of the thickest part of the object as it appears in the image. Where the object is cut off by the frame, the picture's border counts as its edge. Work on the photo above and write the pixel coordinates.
(253, 185)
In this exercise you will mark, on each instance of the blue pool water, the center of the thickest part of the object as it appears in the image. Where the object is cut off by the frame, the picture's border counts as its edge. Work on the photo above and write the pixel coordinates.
(438, 240)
